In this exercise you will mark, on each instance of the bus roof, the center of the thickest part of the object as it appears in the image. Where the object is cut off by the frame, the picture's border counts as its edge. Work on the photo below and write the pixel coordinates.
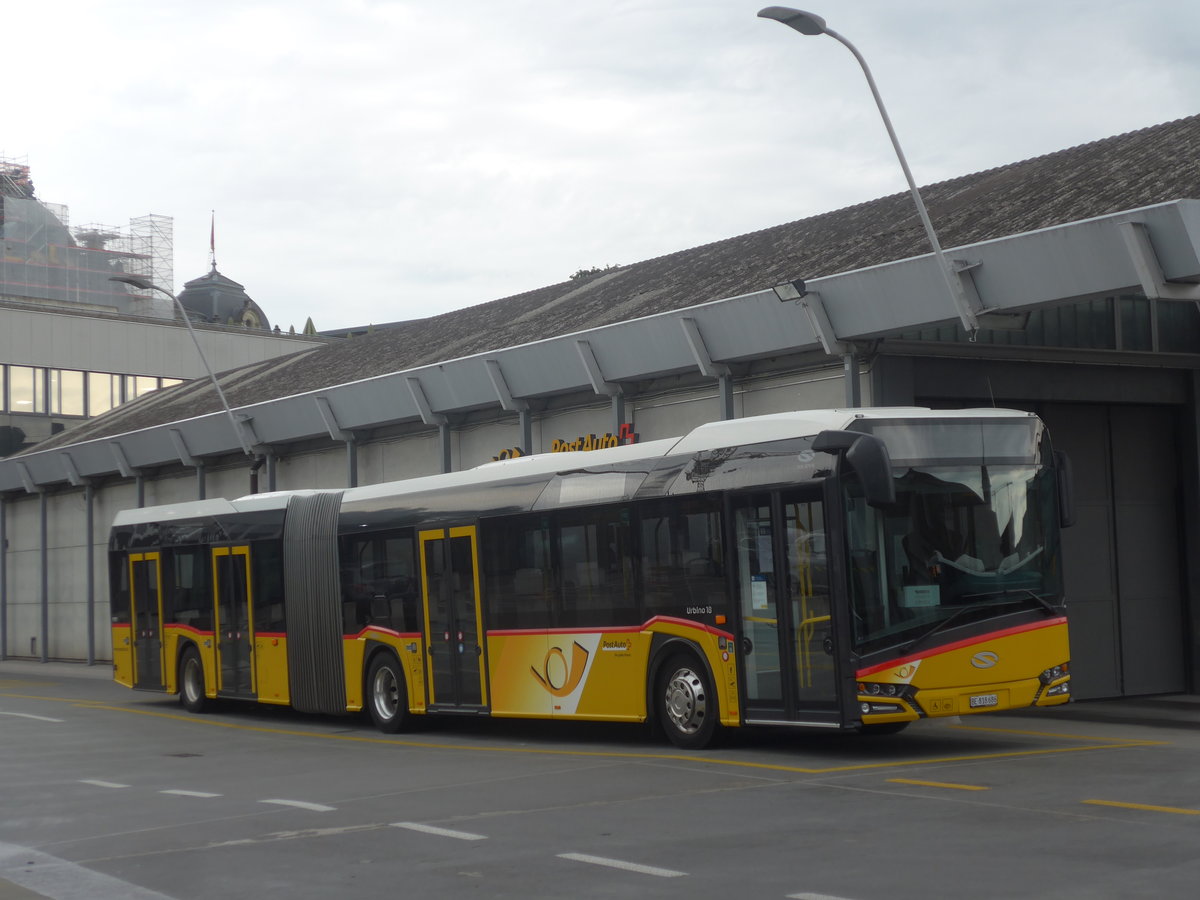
(709, 436)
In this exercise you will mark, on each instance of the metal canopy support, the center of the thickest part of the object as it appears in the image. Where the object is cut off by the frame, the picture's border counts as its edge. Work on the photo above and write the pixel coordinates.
(444, 438)
(417, 392)
(72, 470)
(351, 463)
(726, 388)
(27, 479)
(500, 383)
(186, 457)
(89, 496)
(248, 435)
(121, 460)
(338, 433)
(45, 555)
(3, 578)
(525, 423)
(429, 417)
(591, 366)
(1149, 270)
(602, 387)
(708, 368)
(850, 374)
(508, 402)
(704, 361)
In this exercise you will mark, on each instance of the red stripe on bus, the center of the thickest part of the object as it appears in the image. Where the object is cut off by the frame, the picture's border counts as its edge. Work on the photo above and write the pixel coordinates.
(616, 629)
(379, 629)
(958, 645)
(181, 627)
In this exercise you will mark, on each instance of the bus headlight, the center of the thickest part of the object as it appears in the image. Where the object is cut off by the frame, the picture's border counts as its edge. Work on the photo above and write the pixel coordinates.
(1054, 673)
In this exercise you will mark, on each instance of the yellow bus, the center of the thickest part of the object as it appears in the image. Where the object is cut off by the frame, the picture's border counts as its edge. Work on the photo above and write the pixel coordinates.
(835, 569)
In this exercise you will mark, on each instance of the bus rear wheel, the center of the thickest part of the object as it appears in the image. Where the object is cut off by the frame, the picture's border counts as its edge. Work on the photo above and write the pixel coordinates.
(387, 698)
(191, 681)
(686, 703)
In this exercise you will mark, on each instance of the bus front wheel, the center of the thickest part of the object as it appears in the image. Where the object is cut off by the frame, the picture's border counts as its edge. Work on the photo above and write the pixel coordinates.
(387, 698)
(686, 702)
(191, 681)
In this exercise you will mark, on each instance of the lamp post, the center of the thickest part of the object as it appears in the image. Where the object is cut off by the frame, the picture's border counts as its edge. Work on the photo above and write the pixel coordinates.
(146, 285)
(812, 24)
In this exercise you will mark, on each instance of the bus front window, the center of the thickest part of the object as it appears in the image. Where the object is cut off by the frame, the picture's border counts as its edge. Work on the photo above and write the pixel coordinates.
(966, 542)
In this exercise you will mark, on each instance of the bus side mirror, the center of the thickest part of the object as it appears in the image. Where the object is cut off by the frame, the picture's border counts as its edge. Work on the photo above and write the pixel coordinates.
(1066, 489)
(869, 457)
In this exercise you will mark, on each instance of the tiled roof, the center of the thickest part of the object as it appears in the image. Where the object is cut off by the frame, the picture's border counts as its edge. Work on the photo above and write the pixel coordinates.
(1128, 171)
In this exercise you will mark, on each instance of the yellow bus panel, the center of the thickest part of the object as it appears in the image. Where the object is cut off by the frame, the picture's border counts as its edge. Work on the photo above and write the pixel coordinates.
(122, 654)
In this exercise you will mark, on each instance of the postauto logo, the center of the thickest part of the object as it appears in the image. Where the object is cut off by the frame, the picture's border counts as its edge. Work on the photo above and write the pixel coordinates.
(985, 659)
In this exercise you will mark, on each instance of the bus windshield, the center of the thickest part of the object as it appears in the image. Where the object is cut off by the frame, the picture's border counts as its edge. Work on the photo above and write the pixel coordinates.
(965, 541)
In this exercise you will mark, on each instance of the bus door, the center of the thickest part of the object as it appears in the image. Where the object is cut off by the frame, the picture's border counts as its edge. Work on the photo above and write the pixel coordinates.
(453, 624)
(788, 658)
(234, 621)
(145, 615)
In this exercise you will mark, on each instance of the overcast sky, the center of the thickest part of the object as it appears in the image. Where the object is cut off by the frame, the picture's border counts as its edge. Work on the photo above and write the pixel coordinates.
(380, 161)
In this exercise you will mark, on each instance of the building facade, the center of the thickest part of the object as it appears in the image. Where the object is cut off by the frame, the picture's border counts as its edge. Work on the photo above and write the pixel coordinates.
(1082, 269)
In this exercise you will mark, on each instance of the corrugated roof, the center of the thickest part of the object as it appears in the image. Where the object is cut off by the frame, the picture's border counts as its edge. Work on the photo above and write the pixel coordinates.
(1128, 171)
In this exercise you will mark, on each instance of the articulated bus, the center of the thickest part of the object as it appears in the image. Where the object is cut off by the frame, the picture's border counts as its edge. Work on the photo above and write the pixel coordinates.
(836, 569)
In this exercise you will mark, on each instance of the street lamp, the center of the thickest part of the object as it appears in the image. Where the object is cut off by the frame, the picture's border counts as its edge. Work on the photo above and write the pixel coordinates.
(146, 285)
(812, 24)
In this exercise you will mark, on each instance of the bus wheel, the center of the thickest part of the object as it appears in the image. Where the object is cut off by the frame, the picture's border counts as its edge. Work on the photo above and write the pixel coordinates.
(387, 698)
(687, 706)
(191, 681)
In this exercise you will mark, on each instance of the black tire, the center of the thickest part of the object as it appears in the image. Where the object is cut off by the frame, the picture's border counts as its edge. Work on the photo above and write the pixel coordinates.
(386, 695)
(882, 728)
(191, 681)
(685, 702)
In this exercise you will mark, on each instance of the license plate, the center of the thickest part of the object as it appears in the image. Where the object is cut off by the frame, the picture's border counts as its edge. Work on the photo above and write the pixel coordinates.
(983, 700)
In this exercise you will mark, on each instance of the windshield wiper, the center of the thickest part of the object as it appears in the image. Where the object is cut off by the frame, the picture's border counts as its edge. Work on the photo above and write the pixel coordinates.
(937, 626)
(1023, 593)
(942, 624)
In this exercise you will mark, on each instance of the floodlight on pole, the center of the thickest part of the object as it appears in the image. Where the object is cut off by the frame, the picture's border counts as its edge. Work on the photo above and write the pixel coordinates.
(811, 24)
(146, 285)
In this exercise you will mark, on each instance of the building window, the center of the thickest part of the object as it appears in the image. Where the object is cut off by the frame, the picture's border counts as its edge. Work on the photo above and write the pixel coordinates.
(104, 392)
(26, 389)
(66, 392)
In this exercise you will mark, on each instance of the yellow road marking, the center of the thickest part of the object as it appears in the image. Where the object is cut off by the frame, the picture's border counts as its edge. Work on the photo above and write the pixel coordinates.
(1164, 809)
(1107, 744)
(940, 784)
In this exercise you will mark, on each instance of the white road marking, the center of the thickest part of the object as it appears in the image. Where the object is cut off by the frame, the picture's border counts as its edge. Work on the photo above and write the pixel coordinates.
(621, 864)
(441, 832)
(807, 896)
(179, 793)
(98, 783)
(31, 716)
(51, 876)
(301, 804)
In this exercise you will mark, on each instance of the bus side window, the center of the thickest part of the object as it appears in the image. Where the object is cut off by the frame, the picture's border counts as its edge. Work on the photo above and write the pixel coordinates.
(267, 560)
(186, 586)
(118, 571)
(517, 572)
(682, 561)
(597, 569)
(378, 584)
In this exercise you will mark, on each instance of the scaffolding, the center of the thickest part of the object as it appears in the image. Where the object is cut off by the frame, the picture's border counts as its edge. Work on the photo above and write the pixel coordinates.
(43, 259)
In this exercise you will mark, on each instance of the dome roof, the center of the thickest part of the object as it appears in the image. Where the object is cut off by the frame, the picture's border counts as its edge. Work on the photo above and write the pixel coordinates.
(222, 301)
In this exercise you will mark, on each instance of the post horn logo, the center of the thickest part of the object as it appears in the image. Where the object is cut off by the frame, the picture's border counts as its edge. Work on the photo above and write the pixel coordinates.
(557, 676)
(984, 659)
